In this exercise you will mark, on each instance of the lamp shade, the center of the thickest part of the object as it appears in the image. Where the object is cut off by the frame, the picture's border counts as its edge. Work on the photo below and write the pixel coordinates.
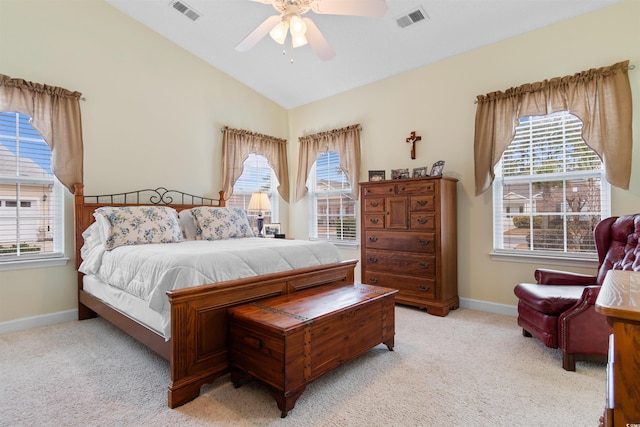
(279, 32)
(259, 202)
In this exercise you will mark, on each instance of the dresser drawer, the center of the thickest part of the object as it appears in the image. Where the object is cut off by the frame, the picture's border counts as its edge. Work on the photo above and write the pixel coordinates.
(374, 221)
(401, 263)
(400, 241)
(420, 221)
(385, 189)
(422, 203)
(410, 287)
(420, 187)
(374, 204)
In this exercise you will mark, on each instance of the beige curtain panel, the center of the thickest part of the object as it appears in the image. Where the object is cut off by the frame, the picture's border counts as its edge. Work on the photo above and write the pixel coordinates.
(238, 144)
(345, 141)
(55, 113)
(601, 98)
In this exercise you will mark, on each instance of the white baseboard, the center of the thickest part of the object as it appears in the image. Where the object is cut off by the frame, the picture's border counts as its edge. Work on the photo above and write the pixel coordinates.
(37, 321)
(489, 307)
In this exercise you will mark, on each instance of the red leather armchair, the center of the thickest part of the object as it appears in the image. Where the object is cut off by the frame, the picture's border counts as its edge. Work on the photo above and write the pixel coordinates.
(559, 308)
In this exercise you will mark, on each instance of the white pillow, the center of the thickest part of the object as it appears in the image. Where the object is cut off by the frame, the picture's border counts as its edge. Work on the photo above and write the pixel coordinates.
(93, 238)
(221, 223)
(138, 225)
(188, 224)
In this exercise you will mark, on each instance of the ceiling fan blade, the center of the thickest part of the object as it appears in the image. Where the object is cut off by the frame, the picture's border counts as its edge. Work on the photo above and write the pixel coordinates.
(375, 8)
(256, 35)
(317, 41)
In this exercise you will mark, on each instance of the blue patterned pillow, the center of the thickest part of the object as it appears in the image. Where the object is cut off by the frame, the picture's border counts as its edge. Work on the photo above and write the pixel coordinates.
(138, 225)
(221, 223)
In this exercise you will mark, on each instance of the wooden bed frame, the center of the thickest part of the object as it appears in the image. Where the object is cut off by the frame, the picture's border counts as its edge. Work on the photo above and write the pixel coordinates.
(197, 350)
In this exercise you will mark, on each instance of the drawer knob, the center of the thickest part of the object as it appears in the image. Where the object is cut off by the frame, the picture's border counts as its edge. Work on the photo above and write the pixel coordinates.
(421, 202)
(374, 220)
(373, 239)
(424, 265)
(373, 204)
(373, 280)
(422, 220)
(373, 260)
(423, 287)
(424, 242)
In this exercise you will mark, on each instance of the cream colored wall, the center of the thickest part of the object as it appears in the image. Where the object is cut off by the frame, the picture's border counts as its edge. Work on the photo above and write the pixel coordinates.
(152, 116)
(436, 101)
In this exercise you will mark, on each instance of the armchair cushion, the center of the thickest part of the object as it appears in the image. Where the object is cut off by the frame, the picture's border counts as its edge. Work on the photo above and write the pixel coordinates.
(546, 299)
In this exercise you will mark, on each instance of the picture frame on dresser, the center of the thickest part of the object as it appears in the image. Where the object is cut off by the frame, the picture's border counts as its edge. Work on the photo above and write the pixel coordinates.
(420, 172)
(377, 175)
(437, 168)
(400, 173)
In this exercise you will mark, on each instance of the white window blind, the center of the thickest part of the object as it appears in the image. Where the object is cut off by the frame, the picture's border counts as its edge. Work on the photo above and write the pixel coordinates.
(31, 198)
(550, 191)
(257, 175)
(333, 208)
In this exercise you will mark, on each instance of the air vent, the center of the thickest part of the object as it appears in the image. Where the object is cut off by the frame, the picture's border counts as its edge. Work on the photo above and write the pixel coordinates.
(412, 17)
(185, 10)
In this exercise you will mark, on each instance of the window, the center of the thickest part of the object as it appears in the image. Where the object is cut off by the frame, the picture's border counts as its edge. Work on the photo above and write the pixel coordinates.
(257, 175)
(31, 211)
(333, 206)
(549, 191)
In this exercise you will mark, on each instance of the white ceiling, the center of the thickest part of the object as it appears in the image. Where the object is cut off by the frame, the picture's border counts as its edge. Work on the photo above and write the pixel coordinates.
(367, 49)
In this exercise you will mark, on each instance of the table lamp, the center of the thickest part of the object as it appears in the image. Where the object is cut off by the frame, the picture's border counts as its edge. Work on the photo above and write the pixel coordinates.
(259, 202)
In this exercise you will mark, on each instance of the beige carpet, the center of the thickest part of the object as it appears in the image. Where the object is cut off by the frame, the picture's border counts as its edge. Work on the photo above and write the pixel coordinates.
(467, 369)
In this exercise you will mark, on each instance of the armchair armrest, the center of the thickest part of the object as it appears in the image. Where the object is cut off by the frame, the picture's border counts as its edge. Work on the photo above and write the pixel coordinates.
(546, 276)
(590, 294)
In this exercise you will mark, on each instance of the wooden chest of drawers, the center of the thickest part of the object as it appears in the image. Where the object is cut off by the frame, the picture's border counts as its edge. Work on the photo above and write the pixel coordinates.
(289, 341)
(409, 242)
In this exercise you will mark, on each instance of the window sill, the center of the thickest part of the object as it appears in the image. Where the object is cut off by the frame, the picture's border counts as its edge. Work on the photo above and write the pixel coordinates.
(33, 263)
(545, 259)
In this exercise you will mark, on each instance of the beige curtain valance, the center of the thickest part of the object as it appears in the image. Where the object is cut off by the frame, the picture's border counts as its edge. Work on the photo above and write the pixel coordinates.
(55, 113)
(601, 98)
(237, 144)
(344, 141)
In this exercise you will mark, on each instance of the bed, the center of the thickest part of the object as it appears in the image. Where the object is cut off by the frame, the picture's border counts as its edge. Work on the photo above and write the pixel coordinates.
(195, 340)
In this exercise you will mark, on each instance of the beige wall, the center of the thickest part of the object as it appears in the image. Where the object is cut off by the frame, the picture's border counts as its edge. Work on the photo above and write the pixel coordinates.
(437, 101)
(152, 117)
(153, 114)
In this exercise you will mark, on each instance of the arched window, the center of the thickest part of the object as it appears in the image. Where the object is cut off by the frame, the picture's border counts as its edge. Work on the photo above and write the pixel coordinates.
(31, 198)
(257, 175)
(333, 206)
(549, 190)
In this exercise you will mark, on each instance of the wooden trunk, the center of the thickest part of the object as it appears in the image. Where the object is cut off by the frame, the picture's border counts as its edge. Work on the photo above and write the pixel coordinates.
(289, 341)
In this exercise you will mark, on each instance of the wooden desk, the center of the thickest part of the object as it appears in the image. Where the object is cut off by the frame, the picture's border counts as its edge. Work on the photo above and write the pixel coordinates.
(619, 300)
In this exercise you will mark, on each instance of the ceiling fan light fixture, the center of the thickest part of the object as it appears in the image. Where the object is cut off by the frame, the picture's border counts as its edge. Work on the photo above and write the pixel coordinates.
(279, 32)
(297, 26)
(298, 40)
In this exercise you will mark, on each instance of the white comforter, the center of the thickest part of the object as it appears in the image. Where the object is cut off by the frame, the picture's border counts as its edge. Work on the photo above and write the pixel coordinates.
(148, 271)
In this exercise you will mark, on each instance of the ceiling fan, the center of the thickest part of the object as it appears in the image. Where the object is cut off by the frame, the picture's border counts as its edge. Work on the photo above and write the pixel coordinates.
(303, 30)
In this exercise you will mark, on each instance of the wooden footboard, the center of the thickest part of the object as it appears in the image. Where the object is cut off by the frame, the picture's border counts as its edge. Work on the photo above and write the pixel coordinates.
(199, 351)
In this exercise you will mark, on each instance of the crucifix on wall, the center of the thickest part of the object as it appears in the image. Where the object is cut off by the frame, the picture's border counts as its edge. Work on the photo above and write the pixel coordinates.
(412, 139)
